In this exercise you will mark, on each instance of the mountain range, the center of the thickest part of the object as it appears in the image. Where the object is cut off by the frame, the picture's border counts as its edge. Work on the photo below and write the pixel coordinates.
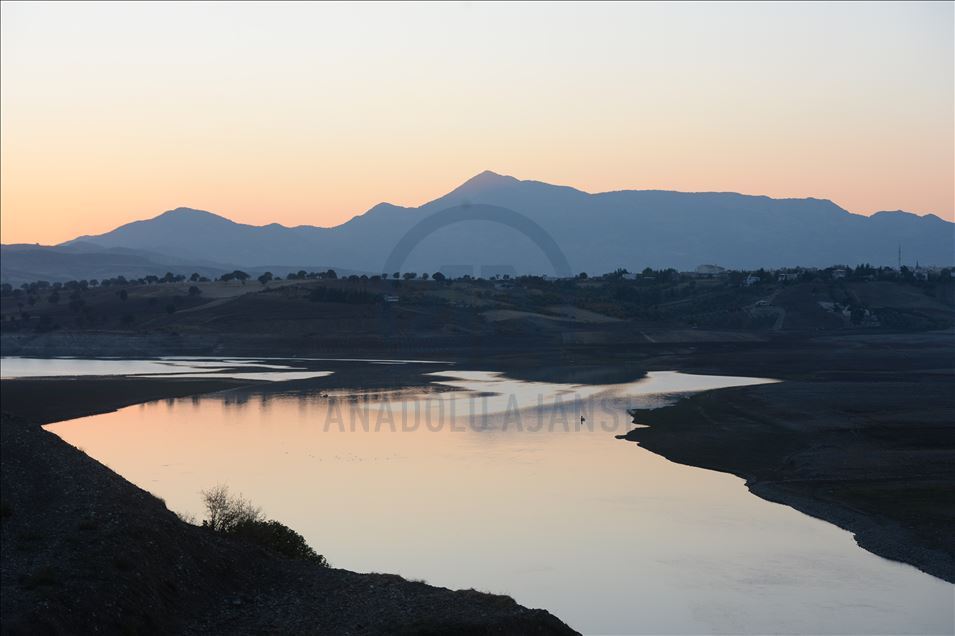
(595, 233)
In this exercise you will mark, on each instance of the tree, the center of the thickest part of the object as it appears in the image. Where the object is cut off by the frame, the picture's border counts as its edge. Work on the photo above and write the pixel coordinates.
(396, 275)
(265, 278)
(194, 291)
(240, 276)
(438, 276)
(195, 277)
(225, 511)
(410, 275)
(424, 276)
(332, 274)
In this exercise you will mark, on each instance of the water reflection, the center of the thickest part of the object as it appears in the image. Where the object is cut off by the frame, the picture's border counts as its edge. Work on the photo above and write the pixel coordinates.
(608, 536)
(486, 400)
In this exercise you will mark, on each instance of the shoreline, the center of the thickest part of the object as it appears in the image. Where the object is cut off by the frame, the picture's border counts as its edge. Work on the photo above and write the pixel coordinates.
(85, 550)
(890, 486)
(880, 536)
(854, 435)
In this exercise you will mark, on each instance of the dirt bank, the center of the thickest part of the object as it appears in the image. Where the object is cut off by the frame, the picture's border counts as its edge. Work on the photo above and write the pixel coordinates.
(873, 453)
(85, 551)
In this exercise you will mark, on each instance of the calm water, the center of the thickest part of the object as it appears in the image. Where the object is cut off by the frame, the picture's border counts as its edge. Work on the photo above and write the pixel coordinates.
(480, 481)
(180, 367)
(249, 369)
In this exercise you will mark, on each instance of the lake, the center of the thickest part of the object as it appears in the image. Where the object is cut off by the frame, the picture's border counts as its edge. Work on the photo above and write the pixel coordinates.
(473, 479)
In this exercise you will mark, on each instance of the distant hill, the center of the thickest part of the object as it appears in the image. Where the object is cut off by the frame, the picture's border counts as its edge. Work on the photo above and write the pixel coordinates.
(25, 263)
(22, 263)
(596, 233)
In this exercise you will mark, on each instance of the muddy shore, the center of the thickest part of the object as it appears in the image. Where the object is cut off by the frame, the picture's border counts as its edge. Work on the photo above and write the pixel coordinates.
(859, 433)
(85, 551)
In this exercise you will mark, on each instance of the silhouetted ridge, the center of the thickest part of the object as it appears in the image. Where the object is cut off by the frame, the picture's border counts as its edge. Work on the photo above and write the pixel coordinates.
(597, 233)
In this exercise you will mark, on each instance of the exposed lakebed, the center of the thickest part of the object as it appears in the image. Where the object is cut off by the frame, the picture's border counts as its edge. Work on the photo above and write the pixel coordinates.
(473, 479)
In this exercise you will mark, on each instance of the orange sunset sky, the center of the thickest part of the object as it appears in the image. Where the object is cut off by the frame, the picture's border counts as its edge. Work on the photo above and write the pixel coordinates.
(311, 113)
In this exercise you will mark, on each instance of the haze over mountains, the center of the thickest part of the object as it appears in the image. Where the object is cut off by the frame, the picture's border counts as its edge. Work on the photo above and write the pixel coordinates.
(596, 233)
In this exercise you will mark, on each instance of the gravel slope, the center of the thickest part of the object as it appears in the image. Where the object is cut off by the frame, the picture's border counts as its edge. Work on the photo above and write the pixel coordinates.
(85, 551)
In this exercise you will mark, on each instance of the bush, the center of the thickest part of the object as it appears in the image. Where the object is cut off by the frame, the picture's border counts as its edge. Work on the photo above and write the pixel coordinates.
(235, 516)
(278, 537)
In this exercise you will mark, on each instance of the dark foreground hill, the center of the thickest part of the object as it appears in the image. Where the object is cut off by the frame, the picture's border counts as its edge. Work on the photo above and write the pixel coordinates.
(84, 551)
(595, 233)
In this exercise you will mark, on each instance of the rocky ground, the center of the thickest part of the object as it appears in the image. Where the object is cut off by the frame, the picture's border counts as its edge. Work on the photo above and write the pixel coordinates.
(85, 551)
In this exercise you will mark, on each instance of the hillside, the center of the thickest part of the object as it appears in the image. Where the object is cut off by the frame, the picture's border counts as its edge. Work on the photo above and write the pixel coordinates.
(353, 315)
(81, 260)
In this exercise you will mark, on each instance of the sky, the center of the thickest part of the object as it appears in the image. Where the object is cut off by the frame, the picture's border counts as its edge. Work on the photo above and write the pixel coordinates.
(312, 113)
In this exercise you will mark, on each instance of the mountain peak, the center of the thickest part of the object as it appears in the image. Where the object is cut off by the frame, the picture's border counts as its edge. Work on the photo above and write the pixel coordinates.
(475, 187)
(184, 212)
(486, 179)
